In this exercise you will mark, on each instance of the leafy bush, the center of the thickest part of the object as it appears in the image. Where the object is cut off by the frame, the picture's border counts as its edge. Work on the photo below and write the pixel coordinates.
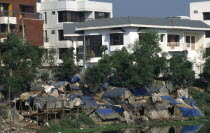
(86, 120)
(202, 99)
(67, 123)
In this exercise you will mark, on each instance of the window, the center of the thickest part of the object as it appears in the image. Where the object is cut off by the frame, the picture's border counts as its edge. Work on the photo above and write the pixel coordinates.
(116, 39)
(162, 37)
(207, 34)
(45, 36)
(195, 11)
(60, 35)
(93, 43)
(3, 28)
(187, 40)
(69, 16)
(206, 15)
(45, 17)
(173, 38)
(99, 15)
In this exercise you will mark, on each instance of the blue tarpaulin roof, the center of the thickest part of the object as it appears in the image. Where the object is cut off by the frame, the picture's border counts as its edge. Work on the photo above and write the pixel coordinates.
(75, 79)
(152, 89)
(139, 92)
(114, 93)
(190, 129)
(71, 97)
(86, 98)
(189, 101)
(118, 109)
(105, 85)
(187, 112)
(105, 111)
(89, 102)
(170, 99)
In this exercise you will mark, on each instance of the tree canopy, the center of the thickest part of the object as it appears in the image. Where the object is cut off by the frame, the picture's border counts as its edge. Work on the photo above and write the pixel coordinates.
(180, 71)
(20, 63)
(67, 69)
(146, 64)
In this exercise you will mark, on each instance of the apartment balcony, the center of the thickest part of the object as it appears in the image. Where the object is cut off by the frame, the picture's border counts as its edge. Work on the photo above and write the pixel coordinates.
(27, 15)
(7, 17)
(177, 46)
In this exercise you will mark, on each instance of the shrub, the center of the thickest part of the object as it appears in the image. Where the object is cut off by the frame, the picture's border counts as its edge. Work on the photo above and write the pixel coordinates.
(86, 120)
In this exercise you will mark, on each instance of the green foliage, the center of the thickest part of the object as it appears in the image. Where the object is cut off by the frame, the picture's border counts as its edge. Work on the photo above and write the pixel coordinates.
(98, 73)
(181, 73)
(124, 70)
(67, 69)
(65, 125)
(45, 76)
(131, 69)
(206, 70)
(86, 120)
(202, 99)
(103, 48)
(20, 65)
(149, 60)
(49, 56)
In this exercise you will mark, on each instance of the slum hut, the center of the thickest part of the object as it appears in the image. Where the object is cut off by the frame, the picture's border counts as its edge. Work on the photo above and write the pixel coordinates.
(159, 111)
(107, 114)
(118, 94)
(180, 110)
(62, 86)
(89, 103)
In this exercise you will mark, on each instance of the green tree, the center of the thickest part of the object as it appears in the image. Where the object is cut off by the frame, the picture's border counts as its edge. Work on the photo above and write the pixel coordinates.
(103, 48)
(150, 62)
(67, 69)
(181, 73)
(20, 67)
(97, 74)
(124, 69)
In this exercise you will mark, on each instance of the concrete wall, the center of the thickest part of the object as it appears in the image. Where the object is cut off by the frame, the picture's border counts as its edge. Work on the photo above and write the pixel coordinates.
(131, 35)
(48, 6)
(196, 13)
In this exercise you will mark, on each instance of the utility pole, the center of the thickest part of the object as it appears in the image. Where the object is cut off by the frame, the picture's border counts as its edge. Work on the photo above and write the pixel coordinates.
(8, 27)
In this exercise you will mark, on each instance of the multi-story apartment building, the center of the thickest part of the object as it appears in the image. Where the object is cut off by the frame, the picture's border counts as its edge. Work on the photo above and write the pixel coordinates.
(201, 11)
(176, 35)
(58, 12)
(20, 17)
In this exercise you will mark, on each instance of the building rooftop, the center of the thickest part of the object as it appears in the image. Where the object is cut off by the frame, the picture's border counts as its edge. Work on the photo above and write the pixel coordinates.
(165, 23)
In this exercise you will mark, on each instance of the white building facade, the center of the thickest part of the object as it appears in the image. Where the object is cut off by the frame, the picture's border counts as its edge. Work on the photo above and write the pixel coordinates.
(57, 12)
(176, 35)
(201, 11)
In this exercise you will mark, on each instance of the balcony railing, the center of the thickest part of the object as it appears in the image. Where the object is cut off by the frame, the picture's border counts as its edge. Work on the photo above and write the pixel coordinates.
(30, 15)
(173, 44)
(21, 14)
(180, 46)
(7, 13)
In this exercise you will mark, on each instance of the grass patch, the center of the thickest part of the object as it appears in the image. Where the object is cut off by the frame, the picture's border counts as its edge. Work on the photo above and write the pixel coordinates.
(117, 127)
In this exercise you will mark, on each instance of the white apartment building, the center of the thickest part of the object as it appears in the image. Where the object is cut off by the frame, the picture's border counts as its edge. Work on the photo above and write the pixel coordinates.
(57, 12)
(201, 11)
(176, 35)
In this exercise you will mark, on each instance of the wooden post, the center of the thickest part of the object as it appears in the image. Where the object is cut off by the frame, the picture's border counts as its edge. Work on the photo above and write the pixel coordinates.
(37, 115)
(47, 110)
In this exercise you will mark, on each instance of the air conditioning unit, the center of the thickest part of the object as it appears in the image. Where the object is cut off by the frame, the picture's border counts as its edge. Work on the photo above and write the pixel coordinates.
(53, 32)
(2, 39)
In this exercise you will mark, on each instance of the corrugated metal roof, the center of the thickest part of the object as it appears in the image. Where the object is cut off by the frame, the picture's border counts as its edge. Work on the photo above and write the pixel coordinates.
(135, 21)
